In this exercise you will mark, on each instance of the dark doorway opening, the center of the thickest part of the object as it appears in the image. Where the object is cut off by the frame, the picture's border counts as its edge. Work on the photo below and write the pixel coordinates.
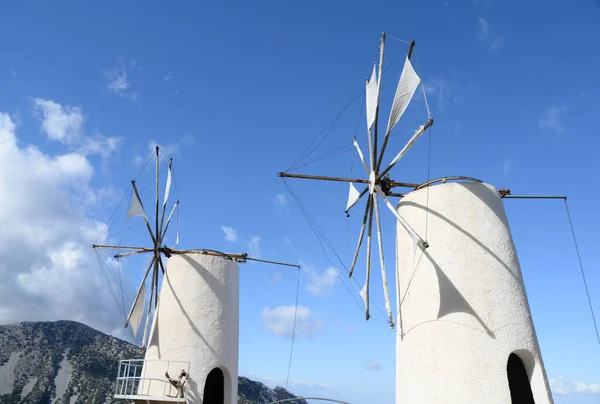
(518, 381)
(214, 389)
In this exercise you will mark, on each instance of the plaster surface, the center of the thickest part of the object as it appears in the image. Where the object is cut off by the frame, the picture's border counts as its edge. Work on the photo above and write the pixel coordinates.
(197, 322)
(462, 305)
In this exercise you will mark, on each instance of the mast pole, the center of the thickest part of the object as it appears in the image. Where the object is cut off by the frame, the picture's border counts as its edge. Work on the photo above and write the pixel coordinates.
(162, 219)
(157, 243)
(381, 48)
(154, 284)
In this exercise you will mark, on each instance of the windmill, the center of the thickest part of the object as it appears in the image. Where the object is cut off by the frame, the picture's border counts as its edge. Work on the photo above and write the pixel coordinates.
(379, 185)
(157, 250)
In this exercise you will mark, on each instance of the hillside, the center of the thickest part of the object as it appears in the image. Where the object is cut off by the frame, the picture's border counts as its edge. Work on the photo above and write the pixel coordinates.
(68, 362)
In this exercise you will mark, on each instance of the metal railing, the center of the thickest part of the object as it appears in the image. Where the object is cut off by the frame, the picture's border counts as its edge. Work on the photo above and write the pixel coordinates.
(133, 380)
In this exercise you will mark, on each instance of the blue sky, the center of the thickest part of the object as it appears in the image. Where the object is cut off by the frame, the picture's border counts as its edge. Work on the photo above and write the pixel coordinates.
(235, 91)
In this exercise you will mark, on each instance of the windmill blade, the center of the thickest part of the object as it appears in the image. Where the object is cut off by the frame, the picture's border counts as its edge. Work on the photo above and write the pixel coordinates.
(161, 267)
(152, 295)
(412, 140)
(408, 83)
(386, 293)
(372, 97)
(141, 292)
(127, 254)
(166, 198)
(403, 222)
(360, 237)
(360, 154)
(353, 195)
(137, 195)
(368, 278)
(137, 312)
(136, 208)
(164, 231)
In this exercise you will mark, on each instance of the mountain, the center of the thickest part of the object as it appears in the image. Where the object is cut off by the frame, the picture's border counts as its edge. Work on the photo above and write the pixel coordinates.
(65, 362)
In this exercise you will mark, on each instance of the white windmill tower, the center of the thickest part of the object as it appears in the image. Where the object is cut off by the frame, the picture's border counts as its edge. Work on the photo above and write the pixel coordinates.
(465, 332)
(191, 329)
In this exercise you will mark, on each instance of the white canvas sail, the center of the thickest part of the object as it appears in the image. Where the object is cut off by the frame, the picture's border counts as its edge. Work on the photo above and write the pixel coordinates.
(353, 195)
(409, 81)
(135, 319)
(136, 209)
(167, 188)
(372, 97)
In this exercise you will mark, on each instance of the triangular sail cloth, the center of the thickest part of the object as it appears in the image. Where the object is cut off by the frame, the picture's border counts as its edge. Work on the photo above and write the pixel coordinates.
(409, 81)
(167, 188)
(138, 311)
(136, 209)
(353, 195)
(372, 96)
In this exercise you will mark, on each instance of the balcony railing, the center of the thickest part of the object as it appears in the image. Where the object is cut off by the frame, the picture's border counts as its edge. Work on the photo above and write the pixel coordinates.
(134, 382)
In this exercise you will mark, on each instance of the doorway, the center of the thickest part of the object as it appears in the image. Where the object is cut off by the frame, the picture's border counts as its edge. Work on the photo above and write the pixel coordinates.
(518, 381)
(214, 388)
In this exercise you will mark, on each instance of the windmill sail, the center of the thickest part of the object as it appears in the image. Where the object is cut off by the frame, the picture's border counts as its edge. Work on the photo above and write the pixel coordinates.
(137, 312)
(353, 195)
(372, 97)
(167, 188)
(409, 81)
(136, 209)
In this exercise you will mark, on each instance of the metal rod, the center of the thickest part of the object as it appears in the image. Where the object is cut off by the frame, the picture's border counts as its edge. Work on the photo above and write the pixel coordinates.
(410, 49)
(272, 262)
(127, 254)
(157, 241)
(375, 131)
(322, 177)
(342, 179)
(162, 220)
(117, 246)
(534, 197)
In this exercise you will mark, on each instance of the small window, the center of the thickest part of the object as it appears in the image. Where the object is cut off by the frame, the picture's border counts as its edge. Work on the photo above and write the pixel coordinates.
(214, 388)
(518, 381)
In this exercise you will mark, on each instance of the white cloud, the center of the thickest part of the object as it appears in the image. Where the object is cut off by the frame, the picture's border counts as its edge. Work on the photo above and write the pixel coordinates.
(229, 233)
(276, 278)
(281, 202)
(65, 124)
(169, 149)
(487, 34)
(562, 386)
(254, 246)
(167, 78)
(372, 365)
(187, 139)
(280, 321)
(14, 73)
(48, 270)
(117, 80)
(319, 284)
(507, 166)
(444, 90)
(552, 120)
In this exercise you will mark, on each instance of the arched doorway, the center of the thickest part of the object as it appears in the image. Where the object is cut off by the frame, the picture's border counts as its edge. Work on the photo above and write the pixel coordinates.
(518, 381)
(214, 388)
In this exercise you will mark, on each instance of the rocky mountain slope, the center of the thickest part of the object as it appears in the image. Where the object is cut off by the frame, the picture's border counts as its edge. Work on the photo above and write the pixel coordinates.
(65, 362)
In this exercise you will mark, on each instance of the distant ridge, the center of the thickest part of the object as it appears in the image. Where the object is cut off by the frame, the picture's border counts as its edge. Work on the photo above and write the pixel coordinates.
(66, 362)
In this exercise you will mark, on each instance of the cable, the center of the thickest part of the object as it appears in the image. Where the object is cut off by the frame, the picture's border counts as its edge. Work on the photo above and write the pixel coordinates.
(321, 237)
(582, 273)
(293, 330)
